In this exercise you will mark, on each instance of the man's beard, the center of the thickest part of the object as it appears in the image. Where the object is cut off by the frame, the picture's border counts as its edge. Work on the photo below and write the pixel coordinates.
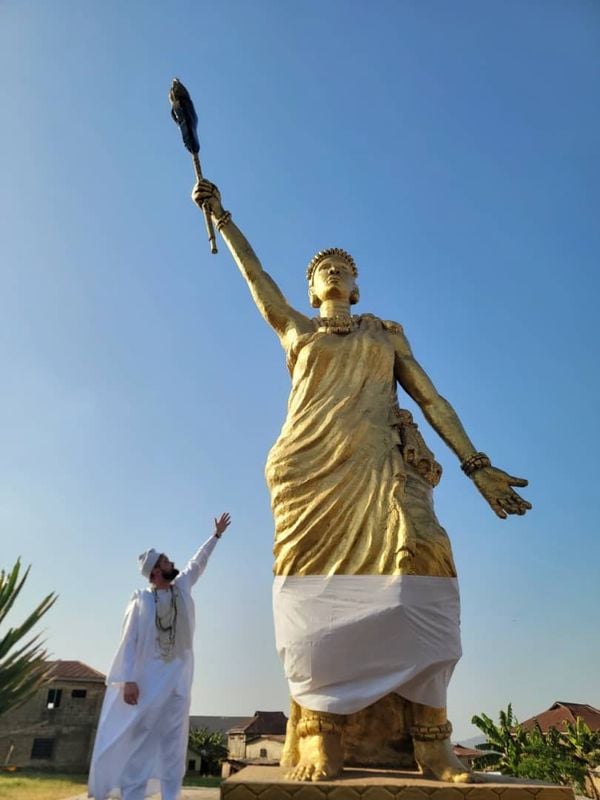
(171, 574)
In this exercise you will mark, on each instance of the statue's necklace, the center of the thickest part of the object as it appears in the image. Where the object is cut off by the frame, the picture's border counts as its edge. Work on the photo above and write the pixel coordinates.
(338, 323)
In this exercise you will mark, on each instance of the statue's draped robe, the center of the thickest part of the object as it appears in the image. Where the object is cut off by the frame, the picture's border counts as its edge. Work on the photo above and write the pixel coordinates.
(140, 749)
(354, 618)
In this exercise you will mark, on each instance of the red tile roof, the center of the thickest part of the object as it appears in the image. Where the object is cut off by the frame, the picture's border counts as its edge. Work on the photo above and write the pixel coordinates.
(561, 713)
(468, 752)
(74, 671)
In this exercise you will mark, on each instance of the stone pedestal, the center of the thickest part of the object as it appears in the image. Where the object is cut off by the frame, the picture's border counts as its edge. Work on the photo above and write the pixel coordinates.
(268, 783)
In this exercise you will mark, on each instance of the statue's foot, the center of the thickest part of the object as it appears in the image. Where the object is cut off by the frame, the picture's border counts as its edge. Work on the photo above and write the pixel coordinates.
(290, 754)
(437, 760)
(320, 758)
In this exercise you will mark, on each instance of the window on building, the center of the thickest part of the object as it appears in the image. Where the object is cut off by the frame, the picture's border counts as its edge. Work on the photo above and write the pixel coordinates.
(192, 765)
(54, 698)
(79, 693)
(42, 748)
(263, 752)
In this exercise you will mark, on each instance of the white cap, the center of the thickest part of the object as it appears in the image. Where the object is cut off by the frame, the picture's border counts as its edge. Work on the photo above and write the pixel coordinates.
(147, 561)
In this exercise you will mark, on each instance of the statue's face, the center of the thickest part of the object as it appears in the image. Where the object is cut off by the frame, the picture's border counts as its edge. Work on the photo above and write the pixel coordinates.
(333, 279)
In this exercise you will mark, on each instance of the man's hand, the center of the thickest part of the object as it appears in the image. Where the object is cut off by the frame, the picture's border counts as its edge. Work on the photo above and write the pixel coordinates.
(496, 486)
(222, 524)
(205, 192)
(131, 693)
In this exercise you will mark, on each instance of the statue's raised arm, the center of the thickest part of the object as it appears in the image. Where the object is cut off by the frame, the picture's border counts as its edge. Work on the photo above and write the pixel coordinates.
(285, 320)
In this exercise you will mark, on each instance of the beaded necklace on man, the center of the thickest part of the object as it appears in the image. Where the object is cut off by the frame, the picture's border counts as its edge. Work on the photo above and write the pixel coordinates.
(166, 626)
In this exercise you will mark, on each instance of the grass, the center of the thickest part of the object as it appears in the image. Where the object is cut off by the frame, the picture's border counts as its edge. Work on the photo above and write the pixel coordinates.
(25, 785)
(209, 781)
(30, 785)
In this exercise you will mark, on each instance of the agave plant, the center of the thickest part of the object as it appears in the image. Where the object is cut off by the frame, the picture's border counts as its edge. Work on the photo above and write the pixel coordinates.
(23, 666)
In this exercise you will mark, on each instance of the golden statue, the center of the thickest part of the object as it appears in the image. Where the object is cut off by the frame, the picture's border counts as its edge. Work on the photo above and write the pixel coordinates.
(365, 595)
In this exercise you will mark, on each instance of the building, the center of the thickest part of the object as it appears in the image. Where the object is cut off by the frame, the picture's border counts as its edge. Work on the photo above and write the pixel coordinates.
(255, 740)
(561, 713)
(259, 738)
(468, 754)
(56, 727)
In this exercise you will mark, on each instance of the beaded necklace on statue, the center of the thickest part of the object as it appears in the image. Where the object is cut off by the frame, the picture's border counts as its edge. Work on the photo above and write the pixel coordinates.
(166, 625)
(338, 323)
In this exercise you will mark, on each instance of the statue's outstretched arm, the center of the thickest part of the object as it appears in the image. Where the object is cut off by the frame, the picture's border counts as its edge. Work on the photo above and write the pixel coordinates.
(285, 320)
(494, 484)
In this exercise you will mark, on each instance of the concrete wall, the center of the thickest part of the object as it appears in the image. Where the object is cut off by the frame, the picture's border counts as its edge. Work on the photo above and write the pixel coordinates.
(236, 745)
(273, 748)
(71, 728)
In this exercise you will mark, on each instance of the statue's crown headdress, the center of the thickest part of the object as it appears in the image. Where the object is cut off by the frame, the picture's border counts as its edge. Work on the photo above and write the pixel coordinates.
(332, 251)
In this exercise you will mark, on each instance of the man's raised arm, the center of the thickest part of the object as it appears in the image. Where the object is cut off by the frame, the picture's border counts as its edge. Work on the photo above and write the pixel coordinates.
(197, 563)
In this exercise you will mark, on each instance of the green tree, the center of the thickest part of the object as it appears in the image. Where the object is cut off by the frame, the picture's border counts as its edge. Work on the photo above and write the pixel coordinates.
(583, 742)
(23, 666)
(506, 738)
(563, 757)
(584, 745)
(211, 746)
(547, 757)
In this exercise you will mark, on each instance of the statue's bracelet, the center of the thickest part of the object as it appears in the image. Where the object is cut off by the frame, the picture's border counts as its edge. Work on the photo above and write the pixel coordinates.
(223, 220)
(475, 462)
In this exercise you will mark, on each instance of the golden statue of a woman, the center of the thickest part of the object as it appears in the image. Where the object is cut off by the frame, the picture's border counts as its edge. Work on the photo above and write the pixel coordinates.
(365, 594)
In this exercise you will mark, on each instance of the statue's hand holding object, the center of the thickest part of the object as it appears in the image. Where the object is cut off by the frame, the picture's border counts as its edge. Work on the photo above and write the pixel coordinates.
(206, 192)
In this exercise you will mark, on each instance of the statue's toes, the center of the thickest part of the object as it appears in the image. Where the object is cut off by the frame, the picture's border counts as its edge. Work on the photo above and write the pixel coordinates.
(319, 774)
(303, 772)
(461, 777)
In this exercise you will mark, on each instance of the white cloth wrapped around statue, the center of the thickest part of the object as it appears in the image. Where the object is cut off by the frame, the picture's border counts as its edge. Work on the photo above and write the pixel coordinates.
(140, 749)
(348, 640)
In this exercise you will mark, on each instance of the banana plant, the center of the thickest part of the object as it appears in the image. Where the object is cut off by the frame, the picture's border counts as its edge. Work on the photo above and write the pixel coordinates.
(506, 738)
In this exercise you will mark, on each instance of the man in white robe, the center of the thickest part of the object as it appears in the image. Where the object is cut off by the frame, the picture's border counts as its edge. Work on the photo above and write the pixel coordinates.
(142, 735)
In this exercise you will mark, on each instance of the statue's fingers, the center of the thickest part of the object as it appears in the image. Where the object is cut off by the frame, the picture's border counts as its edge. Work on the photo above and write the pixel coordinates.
(516, 498)
(509, 505)
(521, 482)
(524, 506)
(516, 505)
(497, 509)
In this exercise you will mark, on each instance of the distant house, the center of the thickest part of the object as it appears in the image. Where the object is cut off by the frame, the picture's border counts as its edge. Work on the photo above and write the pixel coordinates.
(259, 738)
(255, 740)
(55, 729)
(561, 713)
(468, 754)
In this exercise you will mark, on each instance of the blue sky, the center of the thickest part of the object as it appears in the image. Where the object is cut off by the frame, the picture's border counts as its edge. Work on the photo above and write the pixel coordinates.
(453, 149)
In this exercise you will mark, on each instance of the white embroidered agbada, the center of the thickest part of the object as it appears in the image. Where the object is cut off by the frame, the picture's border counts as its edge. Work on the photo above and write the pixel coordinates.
(140, 749)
